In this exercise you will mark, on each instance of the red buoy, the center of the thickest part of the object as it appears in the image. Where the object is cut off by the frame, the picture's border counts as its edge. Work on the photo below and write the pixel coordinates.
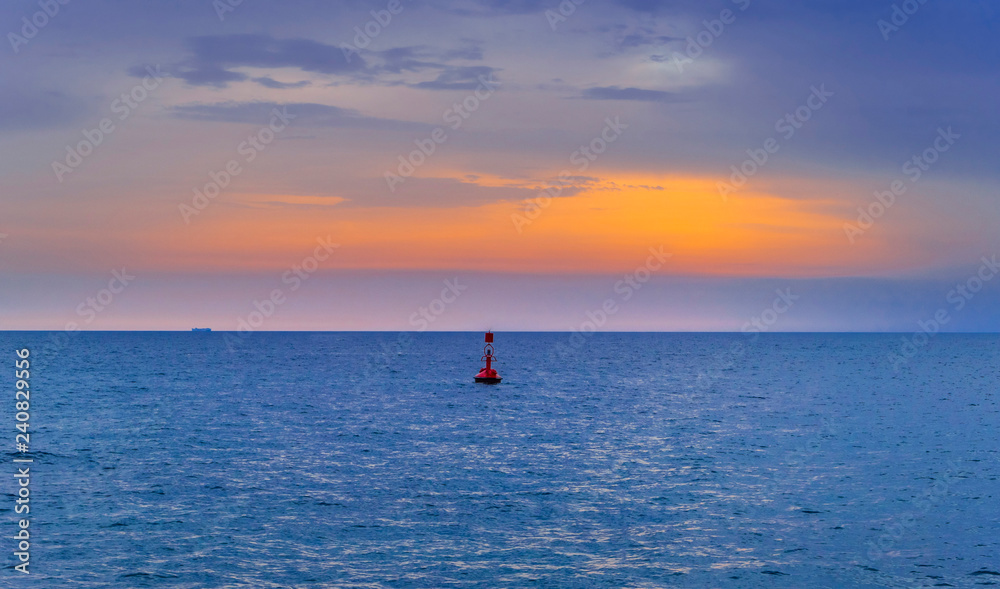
(488, 375)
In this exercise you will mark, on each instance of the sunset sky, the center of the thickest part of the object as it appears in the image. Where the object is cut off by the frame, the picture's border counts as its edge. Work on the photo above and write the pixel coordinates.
(208, 148)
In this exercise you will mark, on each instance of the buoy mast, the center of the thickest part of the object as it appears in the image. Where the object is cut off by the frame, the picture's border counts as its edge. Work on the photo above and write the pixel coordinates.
(488, 375)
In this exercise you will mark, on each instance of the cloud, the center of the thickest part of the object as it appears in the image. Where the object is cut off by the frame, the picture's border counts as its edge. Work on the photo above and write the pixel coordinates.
(631, 37)
(416, 59)
(403, 59)
(214, 57)
(459, 78)
(208, 75)
(302, 113)
(471, 51)
(641, 39)
(215, 60)
(640, 94)
(488, 7)
(285, 201)
(274, 84)
(439, 192)
(265, 51)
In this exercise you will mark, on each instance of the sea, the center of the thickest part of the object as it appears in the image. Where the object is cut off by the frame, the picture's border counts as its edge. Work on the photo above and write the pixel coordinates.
(372, 460)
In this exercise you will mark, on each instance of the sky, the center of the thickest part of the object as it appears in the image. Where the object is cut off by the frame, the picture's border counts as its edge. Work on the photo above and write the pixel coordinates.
(731, 165)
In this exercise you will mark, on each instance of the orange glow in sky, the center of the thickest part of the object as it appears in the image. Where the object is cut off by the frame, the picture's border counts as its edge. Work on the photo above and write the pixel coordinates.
(604, 228)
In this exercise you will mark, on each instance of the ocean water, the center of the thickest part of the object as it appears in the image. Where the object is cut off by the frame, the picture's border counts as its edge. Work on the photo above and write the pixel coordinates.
(637, 460)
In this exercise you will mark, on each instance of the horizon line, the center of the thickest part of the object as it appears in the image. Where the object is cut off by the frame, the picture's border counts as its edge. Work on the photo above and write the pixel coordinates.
(750, 334)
